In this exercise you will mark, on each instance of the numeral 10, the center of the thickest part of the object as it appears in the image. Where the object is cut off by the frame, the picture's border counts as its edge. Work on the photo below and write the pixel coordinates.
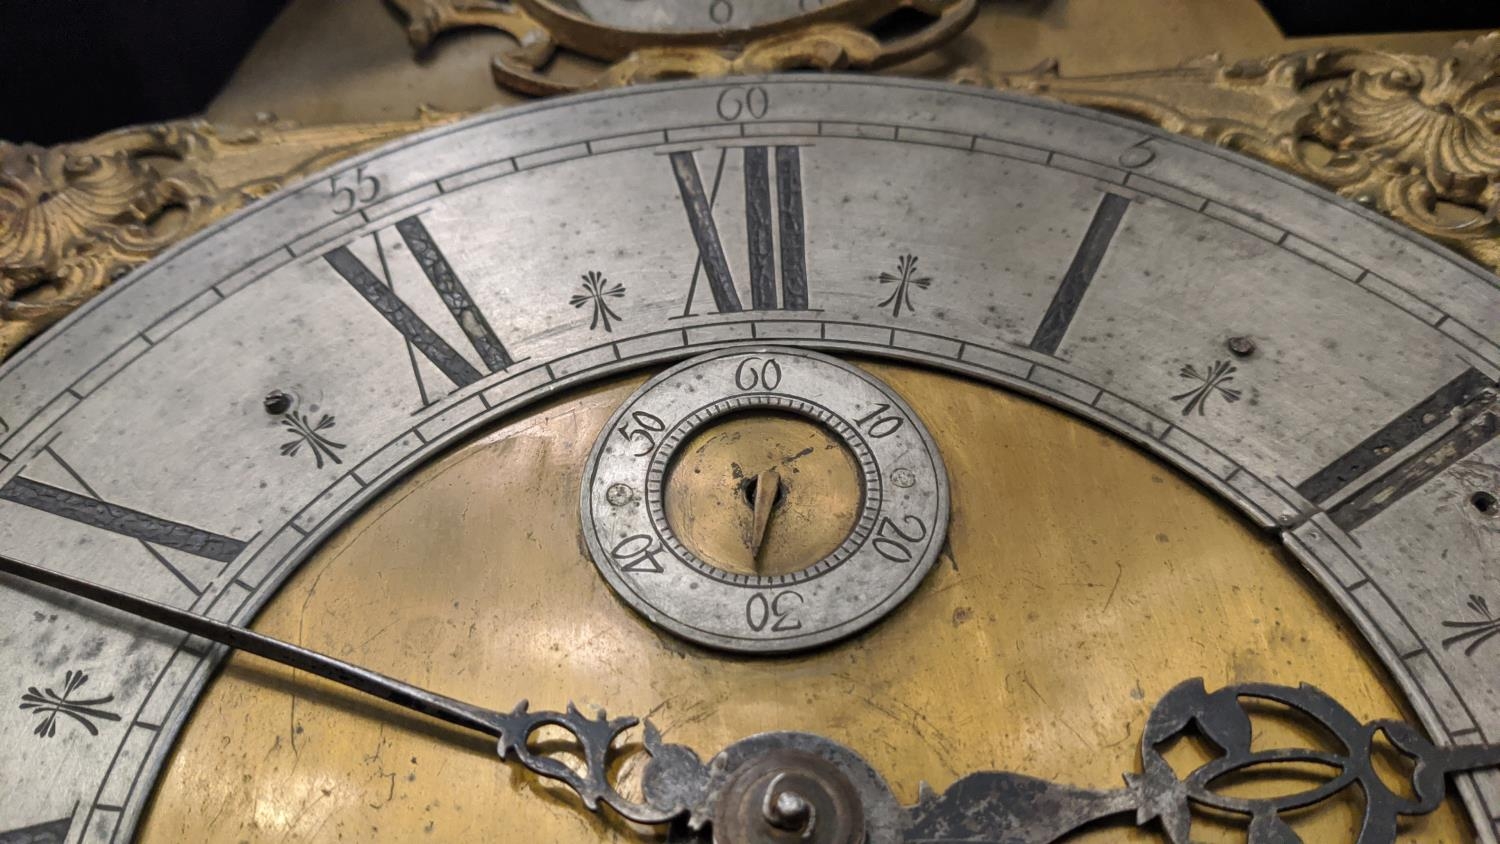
(880, 422)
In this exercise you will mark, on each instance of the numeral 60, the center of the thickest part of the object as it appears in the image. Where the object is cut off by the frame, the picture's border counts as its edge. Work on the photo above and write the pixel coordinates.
(737, 102)
(766, 375)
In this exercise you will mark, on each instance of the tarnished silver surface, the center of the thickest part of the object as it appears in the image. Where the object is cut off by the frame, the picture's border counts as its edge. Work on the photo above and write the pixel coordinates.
(1092, 262)
(894, 542)
(687, 15)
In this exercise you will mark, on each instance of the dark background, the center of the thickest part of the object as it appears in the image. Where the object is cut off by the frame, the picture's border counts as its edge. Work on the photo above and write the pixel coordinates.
(74, 68)
(1350, 17)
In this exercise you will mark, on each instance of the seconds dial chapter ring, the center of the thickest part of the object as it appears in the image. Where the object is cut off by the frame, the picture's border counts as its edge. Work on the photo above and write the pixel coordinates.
(898, 501)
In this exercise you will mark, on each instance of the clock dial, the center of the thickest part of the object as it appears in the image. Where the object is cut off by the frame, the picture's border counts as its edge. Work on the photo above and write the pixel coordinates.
(199, 430)
(688, 15)
(643, 23)
(691, 431)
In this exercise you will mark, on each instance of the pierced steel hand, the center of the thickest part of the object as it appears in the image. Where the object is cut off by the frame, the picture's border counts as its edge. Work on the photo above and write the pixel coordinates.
(674, 777)
(770, 785)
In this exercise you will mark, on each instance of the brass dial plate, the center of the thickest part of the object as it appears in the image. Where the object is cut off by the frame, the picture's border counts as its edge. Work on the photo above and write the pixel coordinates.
(1028, 647)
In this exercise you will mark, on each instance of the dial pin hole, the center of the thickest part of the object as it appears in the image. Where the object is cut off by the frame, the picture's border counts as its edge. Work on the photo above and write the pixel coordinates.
(1485, 503)
(750, 489)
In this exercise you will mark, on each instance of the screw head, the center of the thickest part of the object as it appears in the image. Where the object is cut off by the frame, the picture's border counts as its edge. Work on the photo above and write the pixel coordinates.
(276, 402)
(789, 811)
(1136, 157)
(1241, 346)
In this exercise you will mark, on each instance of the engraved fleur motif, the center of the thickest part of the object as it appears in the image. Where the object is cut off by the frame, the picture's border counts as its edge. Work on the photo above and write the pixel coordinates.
(905, 278)
(310, 434)
(1475, 631)
(48, 704)
(596, 289)
(1210, 383)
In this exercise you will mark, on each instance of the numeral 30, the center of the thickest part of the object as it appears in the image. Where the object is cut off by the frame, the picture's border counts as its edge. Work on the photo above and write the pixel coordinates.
(778, 612)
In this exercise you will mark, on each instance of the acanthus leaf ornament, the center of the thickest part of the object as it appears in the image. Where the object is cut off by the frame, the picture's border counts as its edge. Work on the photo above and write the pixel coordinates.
(1414, 136)
(75, 217)
(839, 35)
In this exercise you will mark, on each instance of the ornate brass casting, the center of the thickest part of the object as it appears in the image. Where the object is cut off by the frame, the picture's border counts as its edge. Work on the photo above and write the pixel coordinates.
(1415, 136)
(838, 36)
(75, 217)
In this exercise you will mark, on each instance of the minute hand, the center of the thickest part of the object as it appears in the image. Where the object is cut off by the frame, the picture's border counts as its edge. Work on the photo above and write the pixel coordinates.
(511, 729)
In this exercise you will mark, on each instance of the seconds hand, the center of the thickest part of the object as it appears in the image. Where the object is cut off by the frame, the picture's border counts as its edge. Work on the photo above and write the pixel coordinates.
(512, 729)
(763, 492)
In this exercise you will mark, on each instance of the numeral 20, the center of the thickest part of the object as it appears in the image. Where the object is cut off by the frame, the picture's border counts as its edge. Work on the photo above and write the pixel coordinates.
(898, 550)
(780, 612)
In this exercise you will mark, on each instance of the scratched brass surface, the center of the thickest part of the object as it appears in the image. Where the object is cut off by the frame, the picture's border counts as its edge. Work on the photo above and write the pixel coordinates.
(1082, 580)
(815, 508)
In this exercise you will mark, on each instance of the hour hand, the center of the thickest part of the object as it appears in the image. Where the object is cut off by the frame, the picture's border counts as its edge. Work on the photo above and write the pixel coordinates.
(674, 777)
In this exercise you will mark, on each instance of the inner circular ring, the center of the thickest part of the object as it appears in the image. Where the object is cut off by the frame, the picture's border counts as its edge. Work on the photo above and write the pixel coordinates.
(864, 459)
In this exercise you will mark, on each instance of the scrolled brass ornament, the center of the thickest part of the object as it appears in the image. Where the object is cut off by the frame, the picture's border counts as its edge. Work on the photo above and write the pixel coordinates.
(1415, 136)
(75, 217)
(673, 39)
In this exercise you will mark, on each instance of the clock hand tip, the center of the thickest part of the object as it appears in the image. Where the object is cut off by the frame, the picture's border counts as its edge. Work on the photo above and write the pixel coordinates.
(767, 487)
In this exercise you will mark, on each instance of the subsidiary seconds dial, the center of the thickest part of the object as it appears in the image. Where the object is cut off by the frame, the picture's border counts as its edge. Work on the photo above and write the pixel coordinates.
(764, 500)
